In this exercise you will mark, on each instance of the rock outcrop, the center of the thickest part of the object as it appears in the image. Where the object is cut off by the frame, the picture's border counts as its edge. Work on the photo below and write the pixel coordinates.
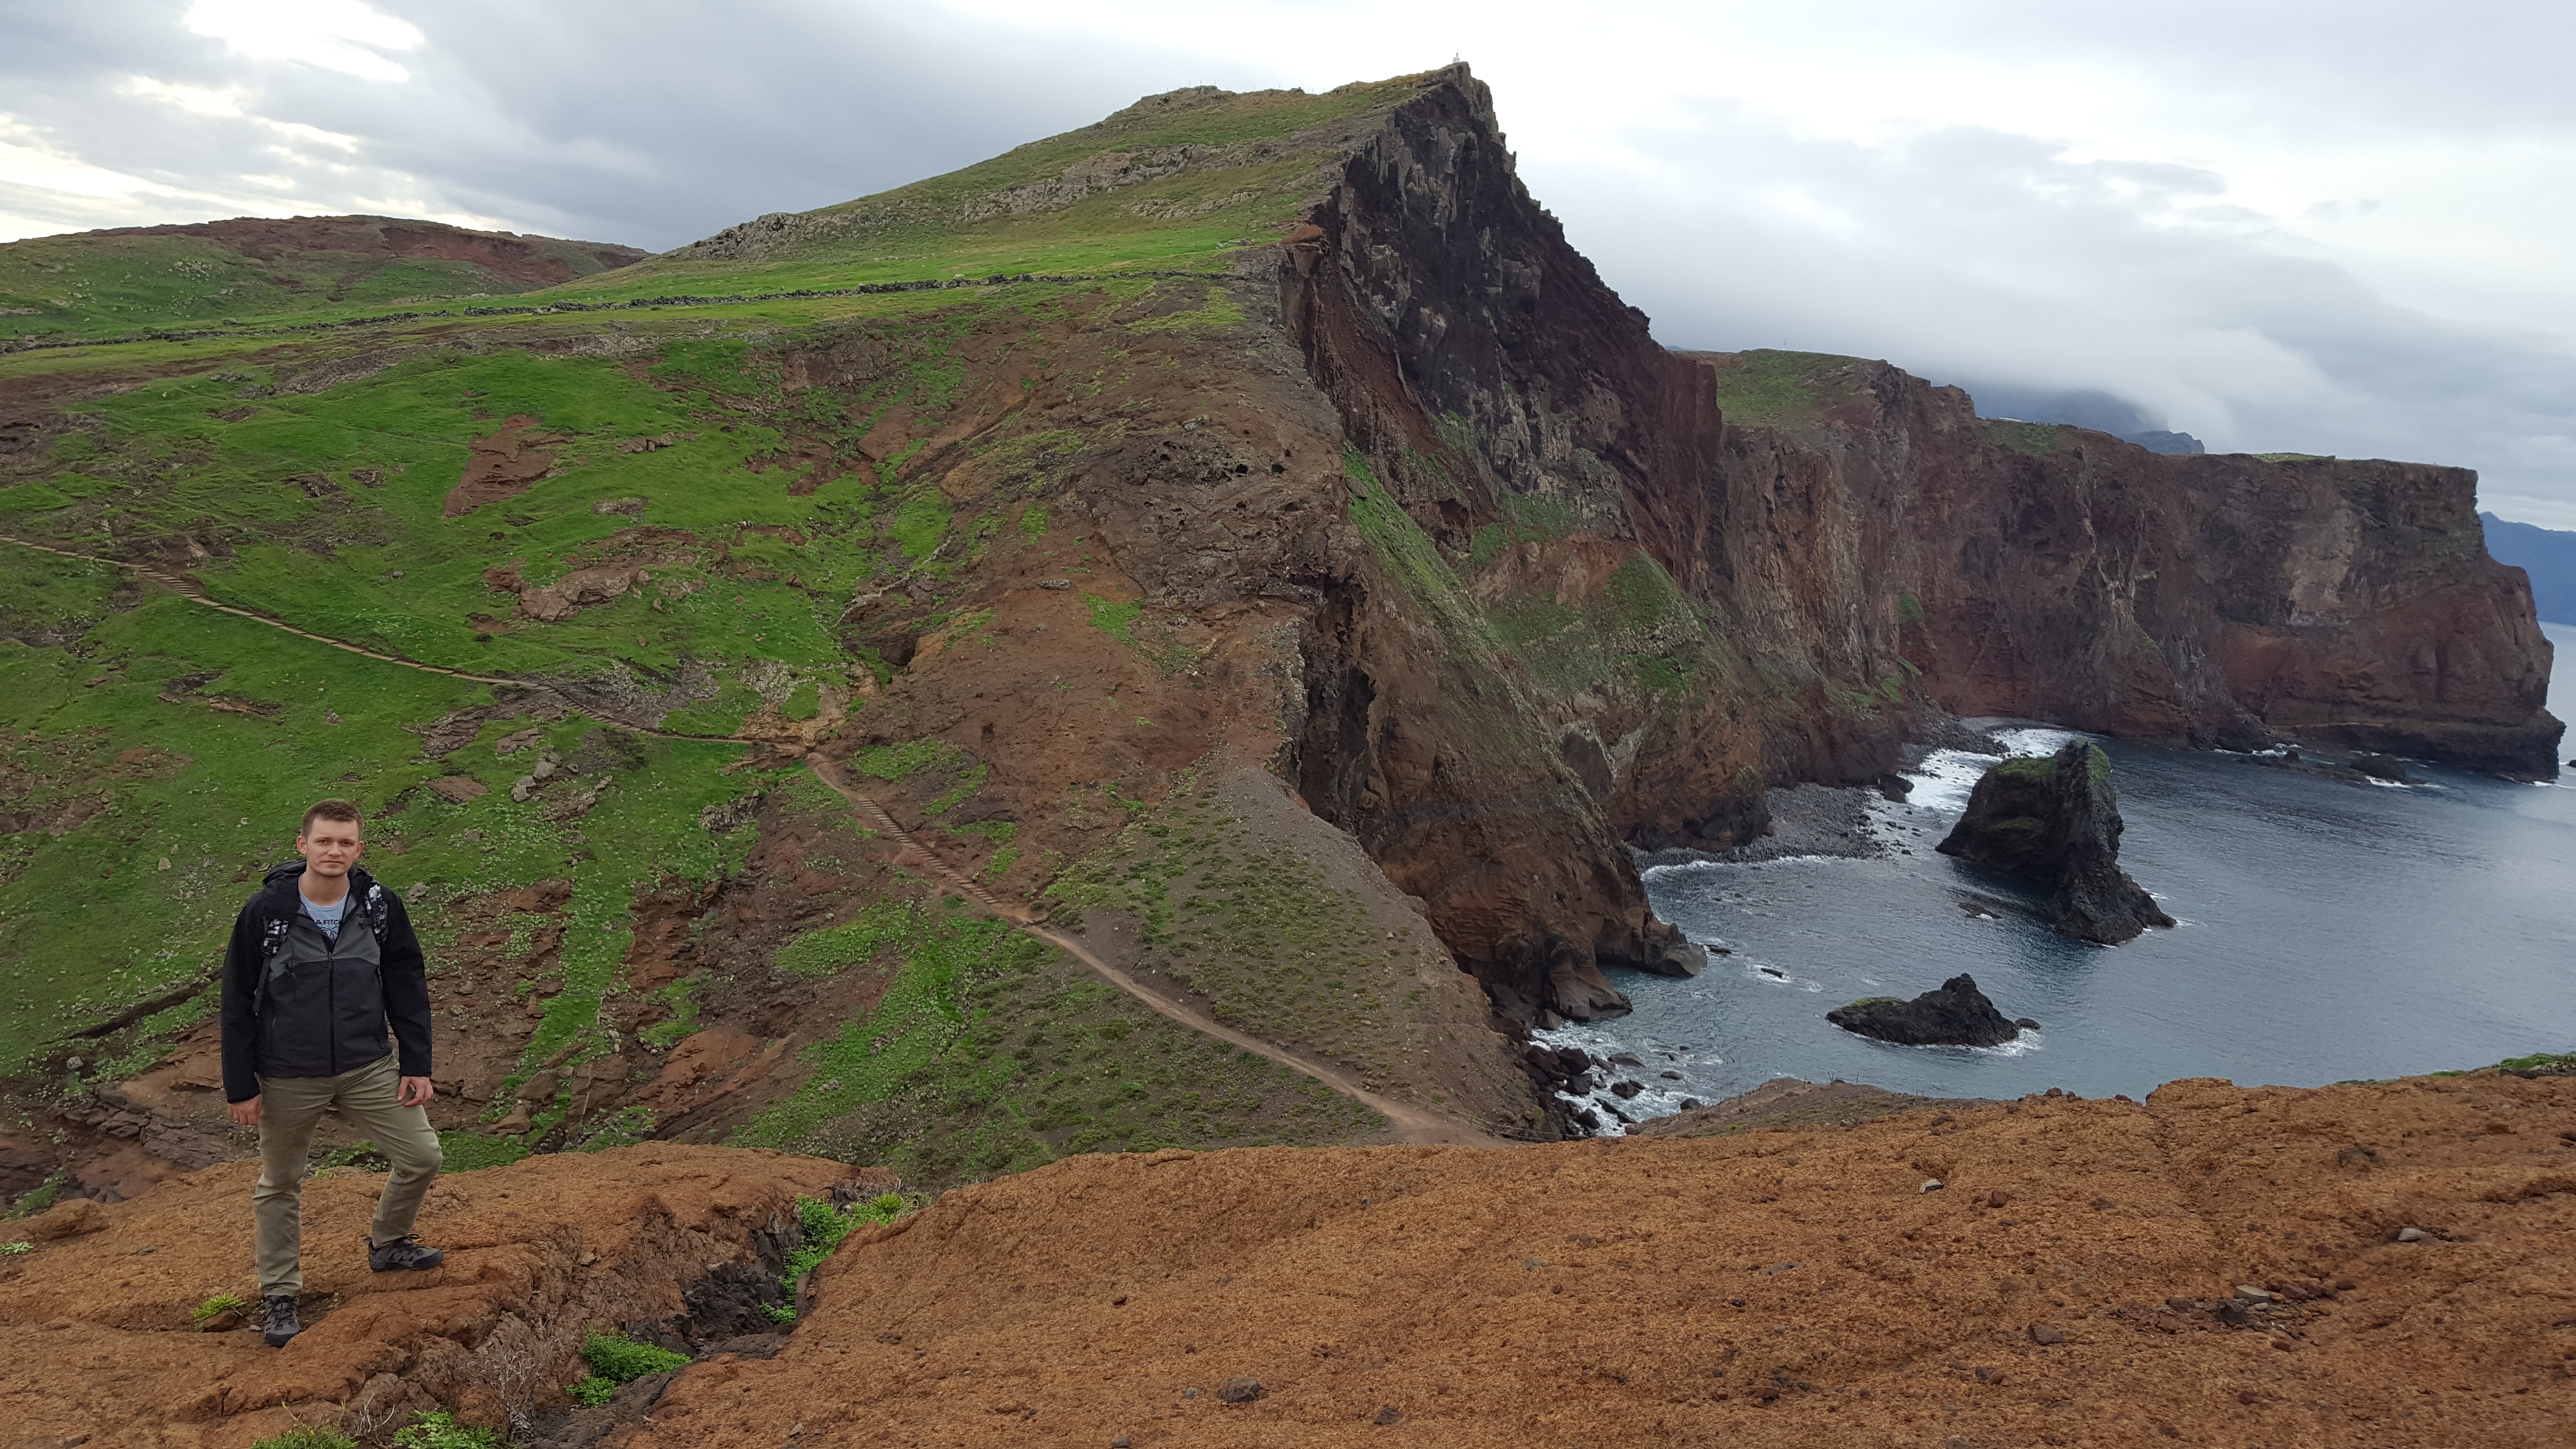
(2055, 822)
(1957, 1014)
(664, 1240)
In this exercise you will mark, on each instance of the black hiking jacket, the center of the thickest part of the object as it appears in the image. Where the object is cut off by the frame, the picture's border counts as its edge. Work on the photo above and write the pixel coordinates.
(296, 1005)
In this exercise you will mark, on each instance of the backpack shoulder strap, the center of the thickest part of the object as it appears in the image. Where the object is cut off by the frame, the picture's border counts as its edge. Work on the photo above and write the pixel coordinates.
(272, 956)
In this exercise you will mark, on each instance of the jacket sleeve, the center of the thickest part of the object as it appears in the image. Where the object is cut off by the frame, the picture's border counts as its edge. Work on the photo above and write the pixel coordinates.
(406, 991)
(241, 1030)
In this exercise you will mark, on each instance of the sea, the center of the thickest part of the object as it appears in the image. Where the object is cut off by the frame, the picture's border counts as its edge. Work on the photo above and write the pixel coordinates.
(2328, 931)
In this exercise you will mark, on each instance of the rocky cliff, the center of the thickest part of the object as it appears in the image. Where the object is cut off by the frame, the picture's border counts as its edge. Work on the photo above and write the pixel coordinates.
(1689, 575)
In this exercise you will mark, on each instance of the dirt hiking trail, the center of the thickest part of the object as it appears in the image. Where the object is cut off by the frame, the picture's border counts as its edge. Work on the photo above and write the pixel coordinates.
(1405, 1124)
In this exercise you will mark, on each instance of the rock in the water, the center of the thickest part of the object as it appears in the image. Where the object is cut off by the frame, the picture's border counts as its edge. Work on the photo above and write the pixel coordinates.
(1956, 1015)
(2056, 822)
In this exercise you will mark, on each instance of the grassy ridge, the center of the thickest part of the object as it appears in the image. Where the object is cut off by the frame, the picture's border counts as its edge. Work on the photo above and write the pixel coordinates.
(94, 283)
(953, 225)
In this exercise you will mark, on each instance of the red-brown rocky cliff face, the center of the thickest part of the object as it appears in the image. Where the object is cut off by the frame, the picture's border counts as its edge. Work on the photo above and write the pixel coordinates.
(1614, 606)
(2064, 574)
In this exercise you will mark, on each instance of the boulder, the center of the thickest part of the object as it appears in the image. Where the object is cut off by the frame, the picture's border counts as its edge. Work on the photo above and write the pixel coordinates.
(2055, 822)
(1956, 1015)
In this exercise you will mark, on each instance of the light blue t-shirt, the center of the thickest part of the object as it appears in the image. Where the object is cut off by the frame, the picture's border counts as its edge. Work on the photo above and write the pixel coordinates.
(326, 917)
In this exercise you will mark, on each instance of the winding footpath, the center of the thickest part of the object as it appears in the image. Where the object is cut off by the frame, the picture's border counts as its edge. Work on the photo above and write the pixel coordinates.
(1405, 1124)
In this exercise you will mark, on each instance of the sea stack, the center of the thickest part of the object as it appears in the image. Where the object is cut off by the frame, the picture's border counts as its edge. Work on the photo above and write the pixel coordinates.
(1956, 1015)
(2056, 822)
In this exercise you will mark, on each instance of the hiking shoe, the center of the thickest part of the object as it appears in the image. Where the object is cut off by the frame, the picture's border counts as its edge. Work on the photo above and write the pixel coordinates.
(282, 1322)
(402, 1252)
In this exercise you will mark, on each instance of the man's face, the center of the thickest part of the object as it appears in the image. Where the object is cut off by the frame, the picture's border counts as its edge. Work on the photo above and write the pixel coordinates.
(330, 847)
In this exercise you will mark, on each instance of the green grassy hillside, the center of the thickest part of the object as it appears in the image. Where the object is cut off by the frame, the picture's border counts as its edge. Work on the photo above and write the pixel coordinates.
(663, 523)
(1178, 180)
(252, 271)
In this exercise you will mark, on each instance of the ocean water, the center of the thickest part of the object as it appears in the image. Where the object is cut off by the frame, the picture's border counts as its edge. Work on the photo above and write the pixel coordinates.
(2328, 931)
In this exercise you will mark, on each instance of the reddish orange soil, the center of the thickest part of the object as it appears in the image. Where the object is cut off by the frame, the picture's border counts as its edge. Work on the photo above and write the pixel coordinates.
(95, 1321)
(1792, 1287)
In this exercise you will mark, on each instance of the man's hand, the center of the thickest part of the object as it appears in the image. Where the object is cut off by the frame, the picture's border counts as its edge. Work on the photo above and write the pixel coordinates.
(414, 1092)
(246, 1112)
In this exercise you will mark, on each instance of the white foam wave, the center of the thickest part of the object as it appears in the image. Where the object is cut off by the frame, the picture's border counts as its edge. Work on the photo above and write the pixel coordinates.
(1659, 1096)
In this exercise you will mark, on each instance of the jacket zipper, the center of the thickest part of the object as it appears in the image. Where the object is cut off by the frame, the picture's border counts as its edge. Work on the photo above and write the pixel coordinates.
(331, 990)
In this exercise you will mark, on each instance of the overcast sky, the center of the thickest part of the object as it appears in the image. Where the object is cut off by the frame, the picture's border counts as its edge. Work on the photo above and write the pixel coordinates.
(2331, 228)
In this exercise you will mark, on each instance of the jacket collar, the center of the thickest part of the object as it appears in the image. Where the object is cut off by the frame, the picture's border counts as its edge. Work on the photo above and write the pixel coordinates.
(283, 889)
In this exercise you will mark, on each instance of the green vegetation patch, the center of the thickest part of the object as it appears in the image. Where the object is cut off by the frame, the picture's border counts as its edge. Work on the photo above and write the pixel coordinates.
(439, 1429)
(891, 763)
(1157, 640)
(1406, 551)
(1767, 388)
(620, 1359)
(990, 1053)
(216, 1307)
(2036, 440)
(1220, 311)
(1255, 930)
(2541, 1063)
(822, 1229)
(892, 922)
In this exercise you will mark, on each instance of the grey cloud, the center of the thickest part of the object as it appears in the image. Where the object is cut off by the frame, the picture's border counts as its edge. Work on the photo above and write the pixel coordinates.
(646, 123)
(1969, 254)
(1960, 253)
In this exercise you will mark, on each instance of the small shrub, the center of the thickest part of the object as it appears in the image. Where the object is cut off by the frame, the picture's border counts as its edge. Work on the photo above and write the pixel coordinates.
(362, 1154)
(472, 1151)
(619, 1359)
(824, 1230)
(20, 1246)
(438, 1429)
(307, 1436)
(216, 1307)
(40, 1197)
(593, 1390)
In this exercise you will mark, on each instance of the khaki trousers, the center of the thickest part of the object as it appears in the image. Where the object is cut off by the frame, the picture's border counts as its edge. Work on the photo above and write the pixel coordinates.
(289, 1108)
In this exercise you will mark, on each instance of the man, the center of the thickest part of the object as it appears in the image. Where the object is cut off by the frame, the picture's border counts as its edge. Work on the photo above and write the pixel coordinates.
(321, 959)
